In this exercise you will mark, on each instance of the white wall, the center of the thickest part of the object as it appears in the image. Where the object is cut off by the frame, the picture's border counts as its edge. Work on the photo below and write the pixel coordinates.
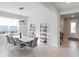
(62, 24)
(38, 13)
(46, 15)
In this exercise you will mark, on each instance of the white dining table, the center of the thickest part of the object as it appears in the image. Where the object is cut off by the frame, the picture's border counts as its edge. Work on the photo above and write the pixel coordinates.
(24, 38)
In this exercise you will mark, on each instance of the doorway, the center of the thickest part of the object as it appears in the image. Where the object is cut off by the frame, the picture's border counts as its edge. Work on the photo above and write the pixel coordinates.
(69, 30)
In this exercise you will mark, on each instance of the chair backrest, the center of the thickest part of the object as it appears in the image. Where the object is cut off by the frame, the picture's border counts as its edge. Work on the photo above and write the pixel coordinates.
(18, 43)
(8, 39)
(12, 41)
(34, 43)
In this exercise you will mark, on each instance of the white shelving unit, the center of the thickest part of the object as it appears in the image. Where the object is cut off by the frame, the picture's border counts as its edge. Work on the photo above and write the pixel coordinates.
(43, 33)
(32, 30)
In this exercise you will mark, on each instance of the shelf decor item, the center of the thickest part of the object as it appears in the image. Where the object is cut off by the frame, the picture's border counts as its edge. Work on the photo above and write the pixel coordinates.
(43, 33)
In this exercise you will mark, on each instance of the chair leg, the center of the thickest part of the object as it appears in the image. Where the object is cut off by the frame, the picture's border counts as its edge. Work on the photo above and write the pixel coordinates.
(7, 45)
(27, 49)
(22, 49)
(18, 48)
(14, 48)
(37, 51)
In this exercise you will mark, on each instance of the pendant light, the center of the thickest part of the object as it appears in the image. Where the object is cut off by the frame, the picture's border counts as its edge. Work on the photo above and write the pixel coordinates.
(21, 12)
(21, 20)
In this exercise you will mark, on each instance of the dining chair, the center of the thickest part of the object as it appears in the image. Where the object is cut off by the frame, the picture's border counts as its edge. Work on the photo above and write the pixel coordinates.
(8, 41)
(13, 42)
(33, 43)
(19, 44)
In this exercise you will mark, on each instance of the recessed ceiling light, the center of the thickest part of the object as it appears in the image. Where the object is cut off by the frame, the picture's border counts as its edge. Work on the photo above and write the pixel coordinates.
(72, 16)
(68, 2)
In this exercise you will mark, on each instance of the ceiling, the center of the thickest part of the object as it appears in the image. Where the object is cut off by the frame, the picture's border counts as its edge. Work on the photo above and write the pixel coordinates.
(71, 16)
(34, 7)
(13, 7)
(64, 6)
(60, 6)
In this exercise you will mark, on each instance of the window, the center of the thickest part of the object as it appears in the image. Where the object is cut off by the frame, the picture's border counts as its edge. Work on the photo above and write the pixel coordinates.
(73, 27)
(8, 25)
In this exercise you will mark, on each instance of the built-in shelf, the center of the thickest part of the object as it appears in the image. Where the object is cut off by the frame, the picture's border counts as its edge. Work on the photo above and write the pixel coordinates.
(43, 33)
(32, 30)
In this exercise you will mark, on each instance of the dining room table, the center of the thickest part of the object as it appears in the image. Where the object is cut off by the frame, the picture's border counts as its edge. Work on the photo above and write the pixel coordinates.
(24, 38)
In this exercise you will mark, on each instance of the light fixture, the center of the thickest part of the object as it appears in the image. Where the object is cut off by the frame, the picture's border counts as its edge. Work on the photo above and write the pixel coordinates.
(21, 12)
(68, 2)
(21, 20)
(72, 16)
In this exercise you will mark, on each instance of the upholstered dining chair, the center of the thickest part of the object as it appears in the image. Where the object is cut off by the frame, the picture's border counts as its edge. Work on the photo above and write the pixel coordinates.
(33, 43)
(19, 44)
(13, 41)
(8, 41)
